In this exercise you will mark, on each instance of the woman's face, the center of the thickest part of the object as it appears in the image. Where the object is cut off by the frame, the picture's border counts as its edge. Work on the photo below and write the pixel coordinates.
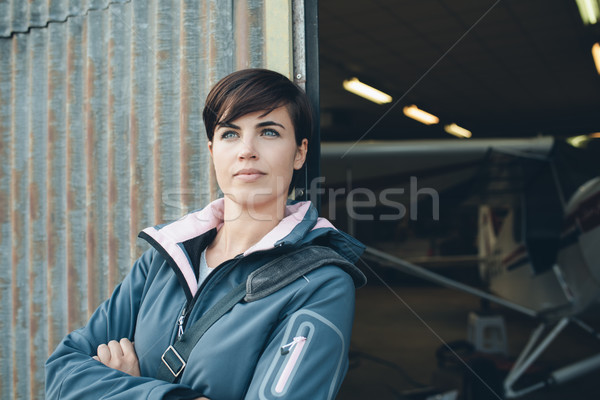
(255, 155)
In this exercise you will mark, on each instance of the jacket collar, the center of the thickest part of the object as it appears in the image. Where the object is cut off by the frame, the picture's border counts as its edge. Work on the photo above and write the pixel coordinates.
(300, 224)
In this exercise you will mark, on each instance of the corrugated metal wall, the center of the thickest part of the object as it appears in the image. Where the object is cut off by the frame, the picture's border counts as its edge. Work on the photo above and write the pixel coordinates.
(100, 136)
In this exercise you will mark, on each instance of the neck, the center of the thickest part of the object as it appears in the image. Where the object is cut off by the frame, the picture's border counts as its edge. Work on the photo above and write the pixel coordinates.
(244, 226)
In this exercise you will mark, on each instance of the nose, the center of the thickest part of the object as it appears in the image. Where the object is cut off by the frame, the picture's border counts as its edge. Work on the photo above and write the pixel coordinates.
(247, 150)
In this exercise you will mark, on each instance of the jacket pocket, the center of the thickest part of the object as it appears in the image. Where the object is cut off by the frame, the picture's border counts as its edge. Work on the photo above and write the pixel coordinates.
(306, 362)
(291, 356)
(295, 350)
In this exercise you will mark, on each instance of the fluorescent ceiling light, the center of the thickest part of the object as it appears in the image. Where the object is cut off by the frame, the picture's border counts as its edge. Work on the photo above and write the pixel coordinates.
(577, 141)
(596, 55)
(368, 92)
(582, 140)
(458, 131)
(589, 11)
(422, 116)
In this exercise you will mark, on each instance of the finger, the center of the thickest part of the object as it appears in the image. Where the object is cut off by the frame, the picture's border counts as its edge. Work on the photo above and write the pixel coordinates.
(96, 358)
(127, 348)
(103, 354)
(115, 349)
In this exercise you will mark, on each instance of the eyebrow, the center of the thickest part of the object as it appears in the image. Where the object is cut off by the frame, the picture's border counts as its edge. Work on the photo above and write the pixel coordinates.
(228, 125)
(269, 123)
(260, 125)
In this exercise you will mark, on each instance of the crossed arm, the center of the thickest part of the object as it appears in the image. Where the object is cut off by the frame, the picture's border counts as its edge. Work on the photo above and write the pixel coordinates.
(121, 356)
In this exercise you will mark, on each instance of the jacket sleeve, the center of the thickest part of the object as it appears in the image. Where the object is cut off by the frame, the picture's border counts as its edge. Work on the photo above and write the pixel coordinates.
(71, 373)
(307, 355)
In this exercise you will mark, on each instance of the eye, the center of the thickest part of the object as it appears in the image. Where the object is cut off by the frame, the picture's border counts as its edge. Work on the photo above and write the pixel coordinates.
(270, 133)
(229, 135)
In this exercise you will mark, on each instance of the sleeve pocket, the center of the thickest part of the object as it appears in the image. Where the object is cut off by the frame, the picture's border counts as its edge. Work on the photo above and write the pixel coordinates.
(309, 341)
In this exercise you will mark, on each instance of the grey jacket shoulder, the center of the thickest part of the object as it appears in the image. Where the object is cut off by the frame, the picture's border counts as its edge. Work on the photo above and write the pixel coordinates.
(280, 272)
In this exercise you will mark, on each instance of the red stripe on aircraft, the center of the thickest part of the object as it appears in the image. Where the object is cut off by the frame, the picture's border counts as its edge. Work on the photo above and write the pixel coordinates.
(517, 253)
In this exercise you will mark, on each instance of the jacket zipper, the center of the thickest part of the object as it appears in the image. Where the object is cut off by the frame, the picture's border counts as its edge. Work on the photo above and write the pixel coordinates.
(295, 346)
(182, 320)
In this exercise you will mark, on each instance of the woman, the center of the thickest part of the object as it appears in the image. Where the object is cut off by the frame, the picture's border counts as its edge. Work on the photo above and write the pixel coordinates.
(292, 343)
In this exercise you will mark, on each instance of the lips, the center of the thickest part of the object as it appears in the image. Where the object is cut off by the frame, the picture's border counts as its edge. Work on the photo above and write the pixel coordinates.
(249, 171)
(249, 174)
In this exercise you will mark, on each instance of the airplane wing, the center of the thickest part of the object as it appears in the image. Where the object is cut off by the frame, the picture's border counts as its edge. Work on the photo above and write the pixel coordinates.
(420, 272)
(442, 163)
(533, 176)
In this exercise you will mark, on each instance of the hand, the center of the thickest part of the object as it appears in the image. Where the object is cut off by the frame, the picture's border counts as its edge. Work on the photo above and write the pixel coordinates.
(119, 355)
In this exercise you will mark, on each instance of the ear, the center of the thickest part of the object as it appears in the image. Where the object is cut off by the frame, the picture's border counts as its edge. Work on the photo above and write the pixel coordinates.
(300, 156)
(210, 147)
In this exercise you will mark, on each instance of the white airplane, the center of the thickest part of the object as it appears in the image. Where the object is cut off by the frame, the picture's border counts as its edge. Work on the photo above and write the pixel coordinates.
(539, 226)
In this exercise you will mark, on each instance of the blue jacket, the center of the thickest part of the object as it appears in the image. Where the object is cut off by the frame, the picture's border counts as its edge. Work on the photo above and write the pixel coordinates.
(292, 344)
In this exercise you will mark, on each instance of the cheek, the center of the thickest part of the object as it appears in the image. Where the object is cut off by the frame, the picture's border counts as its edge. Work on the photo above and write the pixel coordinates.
(286, 161)
(220, 153)
(220, 163)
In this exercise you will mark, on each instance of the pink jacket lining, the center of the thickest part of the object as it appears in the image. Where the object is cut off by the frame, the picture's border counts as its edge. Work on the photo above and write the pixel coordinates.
(195, 224)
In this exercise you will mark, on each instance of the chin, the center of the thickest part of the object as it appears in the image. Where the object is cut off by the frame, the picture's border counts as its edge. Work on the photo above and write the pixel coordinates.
(256, 198)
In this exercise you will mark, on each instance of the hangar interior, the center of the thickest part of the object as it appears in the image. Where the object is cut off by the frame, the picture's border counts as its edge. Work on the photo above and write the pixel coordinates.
(510, 72)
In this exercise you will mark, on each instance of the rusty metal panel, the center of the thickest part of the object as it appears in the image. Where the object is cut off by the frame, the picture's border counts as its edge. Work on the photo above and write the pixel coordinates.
(195, 176)
(101, 135)
(166, 112)
(5, 19)
(58, 10)
(119, 100)
(17, 329)
(56, 186)
(141, 122)
(96, 153)
(75, 295)
(20, 207)
(6, 234)
(38, 12)
(19, 16)
(249, 34)
(38, 156)
(74, 7)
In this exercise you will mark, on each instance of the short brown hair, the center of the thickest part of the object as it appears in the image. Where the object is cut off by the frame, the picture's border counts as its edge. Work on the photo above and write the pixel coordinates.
(251, 90)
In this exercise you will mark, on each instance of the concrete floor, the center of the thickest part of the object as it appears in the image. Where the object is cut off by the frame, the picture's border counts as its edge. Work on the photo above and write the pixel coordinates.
(406, 323)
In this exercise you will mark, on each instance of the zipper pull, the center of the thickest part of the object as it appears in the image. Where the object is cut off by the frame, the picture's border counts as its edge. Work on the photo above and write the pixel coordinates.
(288, 347)
(180, 322)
